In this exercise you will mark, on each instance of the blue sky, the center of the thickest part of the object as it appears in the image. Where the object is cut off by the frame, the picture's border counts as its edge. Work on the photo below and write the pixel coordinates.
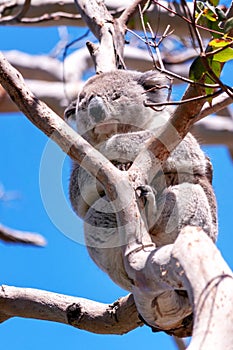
(64, 266)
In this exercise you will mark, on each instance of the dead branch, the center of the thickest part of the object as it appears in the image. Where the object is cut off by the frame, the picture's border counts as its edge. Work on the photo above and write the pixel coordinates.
(117, 318)
(211, 296)
(41, 67)
(15, 236)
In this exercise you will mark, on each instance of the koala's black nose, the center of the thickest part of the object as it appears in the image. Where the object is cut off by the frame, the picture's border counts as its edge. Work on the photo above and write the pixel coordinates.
(96, 109)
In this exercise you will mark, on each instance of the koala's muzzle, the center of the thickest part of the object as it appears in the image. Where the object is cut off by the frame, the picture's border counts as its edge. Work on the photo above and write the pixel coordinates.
(96, 109)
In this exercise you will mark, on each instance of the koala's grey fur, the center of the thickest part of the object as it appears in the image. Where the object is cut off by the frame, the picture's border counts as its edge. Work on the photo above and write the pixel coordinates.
(111, 115)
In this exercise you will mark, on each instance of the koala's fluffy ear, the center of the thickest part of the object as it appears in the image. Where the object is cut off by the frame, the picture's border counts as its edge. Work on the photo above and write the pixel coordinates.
(156, 85)
(151, 78)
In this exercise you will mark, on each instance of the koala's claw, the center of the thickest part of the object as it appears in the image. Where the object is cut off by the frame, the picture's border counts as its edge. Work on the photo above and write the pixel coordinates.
(147, 192)
(146, 195)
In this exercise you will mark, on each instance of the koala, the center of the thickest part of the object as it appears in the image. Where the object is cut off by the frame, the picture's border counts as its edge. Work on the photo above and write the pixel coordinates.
(111, 115)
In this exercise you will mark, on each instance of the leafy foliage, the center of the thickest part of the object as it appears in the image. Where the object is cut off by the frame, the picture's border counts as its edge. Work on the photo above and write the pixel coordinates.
(207, 67)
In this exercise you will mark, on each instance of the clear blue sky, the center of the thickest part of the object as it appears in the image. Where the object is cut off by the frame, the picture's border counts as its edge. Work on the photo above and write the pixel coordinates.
(64, 266)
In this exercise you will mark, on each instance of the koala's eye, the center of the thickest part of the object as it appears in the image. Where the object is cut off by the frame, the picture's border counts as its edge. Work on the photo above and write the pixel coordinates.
(116, 95)
(81, 101)
(81, 97)
(70, 110)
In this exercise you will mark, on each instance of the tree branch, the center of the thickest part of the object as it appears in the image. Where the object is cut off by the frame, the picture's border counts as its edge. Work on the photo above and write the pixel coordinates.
(54, 13)
(217, 130)
(159, 148)
(111, 40)
(216, 105)
(15, 236)
(52, 93)
(117, 318)
(54, 127)
(210, 286)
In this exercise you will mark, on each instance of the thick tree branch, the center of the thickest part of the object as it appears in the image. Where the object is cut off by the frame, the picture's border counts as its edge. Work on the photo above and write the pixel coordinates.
(117, 318)
(52, 93)
(210, 286)
(217, 104)
(130, 11)
(53, 126)
(108, 53)
(15, 236)
(159, 148)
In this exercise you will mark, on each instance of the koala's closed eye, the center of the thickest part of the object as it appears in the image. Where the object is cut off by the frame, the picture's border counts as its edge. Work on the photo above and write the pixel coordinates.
(116, 95)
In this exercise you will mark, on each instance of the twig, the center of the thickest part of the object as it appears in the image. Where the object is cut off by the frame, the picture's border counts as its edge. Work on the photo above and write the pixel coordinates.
(15, 236)
(169, 73)
(184, 18)
(130, 10)
(179, 343)
(177, 103)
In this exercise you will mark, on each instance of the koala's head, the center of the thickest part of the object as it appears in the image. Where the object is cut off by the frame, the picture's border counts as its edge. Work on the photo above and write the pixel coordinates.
(113, 102)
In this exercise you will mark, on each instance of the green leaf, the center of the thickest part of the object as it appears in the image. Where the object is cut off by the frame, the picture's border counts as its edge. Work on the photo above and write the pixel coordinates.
(220, 42)
(197, 70)
(224, 56)
(221, 14)
(215, 26)
(210, 15)
(228, 25)
(214, 2)
(216, 67)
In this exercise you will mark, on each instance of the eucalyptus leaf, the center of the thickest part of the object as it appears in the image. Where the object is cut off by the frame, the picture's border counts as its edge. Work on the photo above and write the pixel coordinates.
(224, 55)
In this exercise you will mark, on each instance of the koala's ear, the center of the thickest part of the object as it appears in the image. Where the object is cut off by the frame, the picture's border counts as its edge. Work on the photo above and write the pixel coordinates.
(156, 85)
(151, 79)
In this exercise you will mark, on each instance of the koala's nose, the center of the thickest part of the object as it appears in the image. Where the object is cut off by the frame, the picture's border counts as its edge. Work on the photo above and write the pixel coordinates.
(96, 109)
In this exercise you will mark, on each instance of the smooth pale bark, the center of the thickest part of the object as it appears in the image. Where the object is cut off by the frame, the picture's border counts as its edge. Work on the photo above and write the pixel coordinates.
(117, 318)
(194, 260)
(210, 286)
(162, 270)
